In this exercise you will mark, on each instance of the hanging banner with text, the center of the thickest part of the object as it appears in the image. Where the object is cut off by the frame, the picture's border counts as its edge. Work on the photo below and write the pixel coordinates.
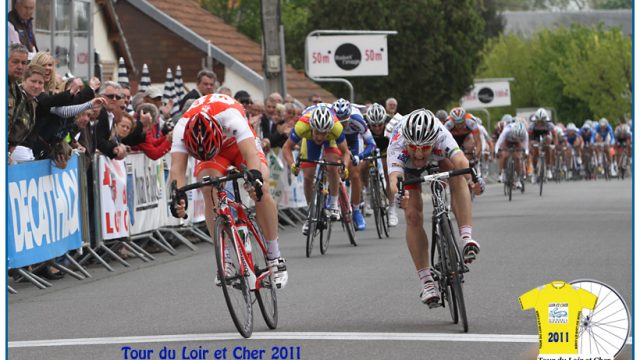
(43, 218)
(347, 55)
(114, 212)
(145, 187)
(487, 94)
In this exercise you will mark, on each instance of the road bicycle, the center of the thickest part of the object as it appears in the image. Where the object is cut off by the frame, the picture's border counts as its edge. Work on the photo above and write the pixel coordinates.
(604, 330)
(603, 161)
(448, 267)
(560, 168)
(623, 164)
(378, 193)
(241, 254)
(589, 161)
(317, 218)
(541, 167)
(510, 172)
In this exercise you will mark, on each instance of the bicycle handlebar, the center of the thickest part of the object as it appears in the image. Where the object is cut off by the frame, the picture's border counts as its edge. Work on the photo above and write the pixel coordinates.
(215, 181)
(319, 162)
(437, 176)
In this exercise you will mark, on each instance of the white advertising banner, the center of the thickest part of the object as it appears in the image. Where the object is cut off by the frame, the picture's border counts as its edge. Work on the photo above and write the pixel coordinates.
(146, 187)
(347, 55)
(114, 212)
(487, 94)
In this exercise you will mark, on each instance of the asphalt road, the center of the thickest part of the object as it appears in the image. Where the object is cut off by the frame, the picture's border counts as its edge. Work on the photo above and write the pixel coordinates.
(353, 303)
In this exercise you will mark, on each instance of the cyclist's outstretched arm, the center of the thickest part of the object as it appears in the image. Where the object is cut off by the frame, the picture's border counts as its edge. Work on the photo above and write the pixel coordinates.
(287, 152)
(346, 154)
(249, 153)
(178, 169)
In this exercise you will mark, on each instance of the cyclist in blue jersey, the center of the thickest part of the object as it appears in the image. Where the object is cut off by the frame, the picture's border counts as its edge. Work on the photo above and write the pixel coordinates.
(574, 139)
(354, 127)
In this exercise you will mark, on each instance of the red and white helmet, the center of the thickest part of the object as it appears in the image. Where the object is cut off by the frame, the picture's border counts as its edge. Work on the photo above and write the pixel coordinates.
(457, 114)
(203, 136)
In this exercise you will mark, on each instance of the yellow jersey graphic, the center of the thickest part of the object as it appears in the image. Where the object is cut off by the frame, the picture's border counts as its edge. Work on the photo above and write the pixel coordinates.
(558, 306)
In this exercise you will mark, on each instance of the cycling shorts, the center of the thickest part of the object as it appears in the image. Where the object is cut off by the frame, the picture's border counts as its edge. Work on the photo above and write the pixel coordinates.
(229, 156)
(309, 150)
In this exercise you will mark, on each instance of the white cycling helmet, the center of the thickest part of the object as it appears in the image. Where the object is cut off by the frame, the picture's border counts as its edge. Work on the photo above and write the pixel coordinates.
(442, 115)
(342, 108)
(376, 114)
(518, 132)
(603, 122)
(508, 119)
(541, 114)
(457, 114)
(572, 127)
(421, 127)
(321, 119)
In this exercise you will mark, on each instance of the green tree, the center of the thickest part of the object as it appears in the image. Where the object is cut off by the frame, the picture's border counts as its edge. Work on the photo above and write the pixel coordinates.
(493, 19)
(433, 58)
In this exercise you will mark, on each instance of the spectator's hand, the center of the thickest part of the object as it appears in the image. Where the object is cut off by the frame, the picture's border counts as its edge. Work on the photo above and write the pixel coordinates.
(146, 119)
(76, 85)
(169, 136)
(61, 161)
(97, 102)
(255, 121)
(120, 152)
(287, 129)
(94, 83)
(81, 149)
(266, 145)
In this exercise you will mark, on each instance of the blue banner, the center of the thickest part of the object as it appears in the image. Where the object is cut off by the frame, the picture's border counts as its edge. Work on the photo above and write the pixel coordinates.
(43, 211)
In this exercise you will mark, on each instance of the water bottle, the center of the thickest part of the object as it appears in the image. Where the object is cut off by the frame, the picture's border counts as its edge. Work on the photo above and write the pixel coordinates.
(243, 231)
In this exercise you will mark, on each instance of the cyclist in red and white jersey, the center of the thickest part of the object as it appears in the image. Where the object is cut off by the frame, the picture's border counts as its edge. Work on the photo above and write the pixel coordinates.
(216, 132)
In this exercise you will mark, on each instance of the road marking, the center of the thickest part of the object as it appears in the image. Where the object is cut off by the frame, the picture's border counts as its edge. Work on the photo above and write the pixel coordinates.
(342, 336)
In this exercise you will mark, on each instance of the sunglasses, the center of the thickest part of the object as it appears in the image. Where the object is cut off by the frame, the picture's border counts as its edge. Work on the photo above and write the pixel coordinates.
(113, 96)
(316, 101)
(423, 148)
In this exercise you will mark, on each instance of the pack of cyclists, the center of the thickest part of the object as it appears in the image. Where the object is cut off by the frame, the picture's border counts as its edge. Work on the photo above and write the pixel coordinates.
(215, 131)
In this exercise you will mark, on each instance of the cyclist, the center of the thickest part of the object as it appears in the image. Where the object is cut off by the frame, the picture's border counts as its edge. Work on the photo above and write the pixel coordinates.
(604, 135)
(497, 130)
(376, 116)
(442, 115)
(541, 127)
(575, 143)
(623, 139)
(355, 126)
(318, 128)
(514, 135)
(417, 140)
(216, 132)
(487, 144)
(465, 131)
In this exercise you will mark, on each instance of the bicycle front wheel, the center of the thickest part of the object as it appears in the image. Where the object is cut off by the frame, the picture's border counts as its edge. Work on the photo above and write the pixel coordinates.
(603, 331)
(266, 292)
(233, 278)
(315, 212)
(374, 199)
(510, 176)
(384, 201)
(346, 214)
(542, 173)
(324, 240)
(454, 265)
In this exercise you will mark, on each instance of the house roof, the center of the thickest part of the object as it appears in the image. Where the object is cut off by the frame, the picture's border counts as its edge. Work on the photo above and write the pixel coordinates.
(225, 37)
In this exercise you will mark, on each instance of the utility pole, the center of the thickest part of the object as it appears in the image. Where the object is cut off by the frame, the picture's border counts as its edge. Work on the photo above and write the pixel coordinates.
(272, 48)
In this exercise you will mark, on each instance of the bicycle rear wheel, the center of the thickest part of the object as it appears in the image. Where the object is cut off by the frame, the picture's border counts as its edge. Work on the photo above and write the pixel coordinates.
(374, 198)
(346, 214)
(605, 330)
(324, 240)
(234, 281)
(455, 272)
(266, 293)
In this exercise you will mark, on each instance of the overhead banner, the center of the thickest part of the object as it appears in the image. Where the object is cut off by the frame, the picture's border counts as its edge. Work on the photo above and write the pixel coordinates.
(347, 55)
(487, 94)
(145, 188)
(43, 217)
(114, 211)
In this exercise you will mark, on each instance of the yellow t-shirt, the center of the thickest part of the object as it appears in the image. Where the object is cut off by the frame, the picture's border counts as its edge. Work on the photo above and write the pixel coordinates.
(558, 306)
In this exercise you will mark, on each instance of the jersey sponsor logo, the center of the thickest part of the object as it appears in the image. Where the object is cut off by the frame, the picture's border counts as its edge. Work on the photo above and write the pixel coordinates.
(558, 313)
(404, 156)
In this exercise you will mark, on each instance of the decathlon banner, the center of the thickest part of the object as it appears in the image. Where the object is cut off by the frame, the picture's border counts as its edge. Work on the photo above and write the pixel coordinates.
(145, 187)
(347, 55)
(114, 212)
(43, 218)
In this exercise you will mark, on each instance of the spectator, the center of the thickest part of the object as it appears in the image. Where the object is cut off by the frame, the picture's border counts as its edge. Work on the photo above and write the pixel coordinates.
(276, 97)
(224, 90)
(285, 120)
(244, 98)
(111, 93)
(291, 100)
(20, 24)
(315, 99)
(391, 105)
(126, 98)
(157, 141)
(206, 81)
(267, 123)
(154, 96)
(46, 60)
(123, 127)
(18, 61)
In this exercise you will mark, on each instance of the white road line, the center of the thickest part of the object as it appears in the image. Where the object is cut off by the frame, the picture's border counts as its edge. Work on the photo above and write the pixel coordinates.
(343, 336)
